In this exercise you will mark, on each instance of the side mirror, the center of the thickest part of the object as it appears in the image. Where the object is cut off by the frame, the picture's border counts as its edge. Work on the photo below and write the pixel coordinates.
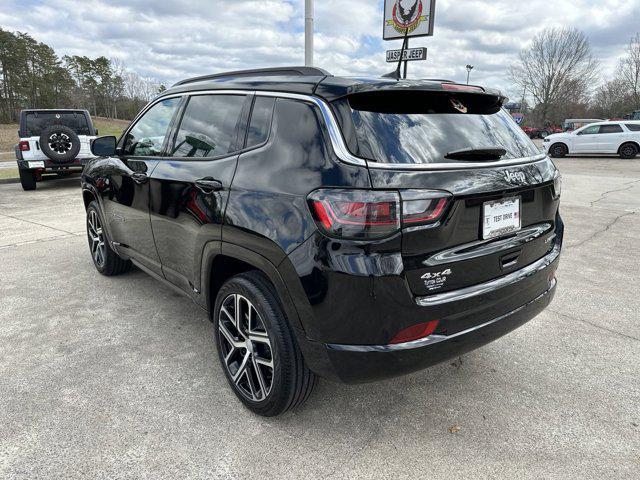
(104, 146)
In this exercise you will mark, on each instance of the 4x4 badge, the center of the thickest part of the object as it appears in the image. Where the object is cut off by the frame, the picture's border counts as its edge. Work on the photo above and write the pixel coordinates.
(436, 280)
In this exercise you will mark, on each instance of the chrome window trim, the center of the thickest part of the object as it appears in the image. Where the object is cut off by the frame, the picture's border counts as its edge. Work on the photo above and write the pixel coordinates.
(337, 140)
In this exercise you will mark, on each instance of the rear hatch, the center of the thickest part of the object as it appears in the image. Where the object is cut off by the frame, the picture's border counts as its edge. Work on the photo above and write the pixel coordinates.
(501, 193)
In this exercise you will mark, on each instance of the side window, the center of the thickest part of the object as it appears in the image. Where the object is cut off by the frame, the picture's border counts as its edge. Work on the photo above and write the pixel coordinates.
(590, 130)
(260, 121)
(610, 128)
(209, 127)
(633, 127)
(146, 137)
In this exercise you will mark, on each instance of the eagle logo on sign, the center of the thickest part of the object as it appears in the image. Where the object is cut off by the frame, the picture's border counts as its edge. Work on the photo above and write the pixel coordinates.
(406, 15)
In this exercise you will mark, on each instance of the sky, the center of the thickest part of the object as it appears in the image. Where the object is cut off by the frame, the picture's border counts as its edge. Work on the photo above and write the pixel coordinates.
(174, 39)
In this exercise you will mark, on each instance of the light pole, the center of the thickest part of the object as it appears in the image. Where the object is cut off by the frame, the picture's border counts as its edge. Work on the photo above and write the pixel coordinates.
(308, 33)
(469, 68)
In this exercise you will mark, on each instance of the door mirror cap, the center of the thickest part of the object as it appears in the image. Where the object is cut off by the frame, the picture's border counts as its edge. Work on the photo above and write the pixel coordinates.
(104, 146)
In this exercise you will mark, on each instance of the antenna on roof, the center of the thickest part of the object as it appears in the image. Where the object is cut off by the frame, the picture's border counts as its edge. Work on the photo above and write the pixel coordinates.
(396, 73)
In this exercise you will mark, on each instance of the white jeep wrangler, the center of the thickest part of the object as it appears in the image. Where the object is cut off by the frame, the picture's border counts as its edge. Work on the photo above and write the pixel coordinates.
(53, 141)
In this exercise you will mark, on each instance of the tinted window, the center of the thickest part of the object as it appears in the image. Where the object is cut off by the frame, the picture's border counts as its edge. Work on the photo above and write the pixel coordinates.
(209, 126)
(260, 121)
(427, 137)
(36, 122)
(634, 127)
(590, 130)
(610, 129)
(146, 137)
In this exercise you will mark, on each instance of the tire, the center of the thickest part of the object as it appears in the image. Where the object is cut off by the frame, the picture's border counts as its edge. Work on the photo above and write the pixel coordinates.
(558, 150)
(628, 150)
(544, 134)
(27, 179)
(59, 143)
(275, 378)
(106, 261)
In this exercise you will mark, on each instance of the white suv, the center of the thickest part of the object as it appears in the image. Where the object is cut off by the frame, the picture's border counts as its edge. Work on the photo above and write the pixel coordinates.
(53, 141)
(619, 137)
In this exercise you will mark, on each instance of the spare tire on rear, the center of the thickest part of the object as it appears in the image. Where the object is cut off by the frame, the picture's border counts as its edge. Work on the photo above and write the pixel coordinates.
(61, 144)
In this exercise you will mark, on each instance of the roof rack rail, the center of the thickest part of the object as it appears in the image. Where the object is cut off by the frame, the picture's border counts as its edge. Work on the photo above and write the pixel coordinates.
(259, 72)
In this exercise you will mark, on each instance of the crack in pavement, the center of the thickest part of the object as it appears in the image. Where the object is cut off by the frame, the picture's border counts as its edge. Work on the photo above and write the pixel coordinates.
(41, 240)
(598, 232)
(595, 325)
(36, 223)
(604, 194)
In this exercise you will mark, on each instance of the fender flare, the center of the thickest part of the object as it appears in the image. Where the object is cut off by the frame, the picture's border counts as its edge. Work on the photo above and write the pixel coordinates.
(87, 187)
(215, 248)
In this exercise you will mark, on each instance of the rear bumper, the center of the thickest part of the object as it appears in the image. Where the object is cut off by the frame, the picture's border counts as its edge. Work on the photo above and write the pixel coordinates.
(364, 363)
(50, 166)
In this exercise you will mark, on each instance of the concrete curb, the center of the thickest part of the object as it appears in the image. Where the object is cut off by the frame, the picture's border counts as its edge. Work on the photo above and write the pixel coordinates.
(9, 180)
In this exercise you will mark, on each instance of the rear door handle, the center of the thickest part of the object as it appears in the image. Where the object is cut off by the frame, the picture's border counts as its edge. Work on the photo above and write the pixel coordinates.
(209, 185)
(139, 178)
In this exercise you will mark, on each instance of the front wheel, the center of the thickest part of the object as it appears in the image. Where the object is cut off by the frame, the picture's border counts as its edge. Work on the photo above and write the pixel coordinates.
(106, 261)
(628, 150)
(258, 352)
(558, 150)
(27, 179)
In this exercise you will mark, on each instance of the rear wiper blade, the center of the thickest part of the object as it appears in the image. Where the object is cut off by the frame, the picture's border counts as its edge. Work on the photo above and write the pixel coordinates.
(478, 154)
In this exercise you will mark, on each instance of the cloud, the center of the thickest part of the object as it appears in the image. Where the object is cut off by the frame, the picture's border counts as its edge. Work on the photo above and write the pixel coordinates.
(174, 39)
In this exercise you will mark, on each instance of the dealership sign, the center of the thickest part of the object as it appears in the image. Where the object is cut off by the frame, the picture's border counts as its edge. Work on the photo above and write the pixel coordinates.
(410, 54)
(518, 117)
(411, 17)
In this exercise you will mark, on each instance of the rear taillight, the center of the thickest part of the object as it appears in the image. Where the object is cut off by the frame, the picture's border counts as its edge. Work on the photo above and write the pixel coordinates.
(415, 332)
(24, 146)
(372, 214)
(356, 214)
(557, 185)
(421, 207)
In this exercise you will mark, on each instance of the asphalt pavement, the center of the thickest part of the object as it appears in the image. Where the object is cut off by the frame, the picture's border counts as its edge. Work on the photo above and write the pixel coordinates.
(118, 377)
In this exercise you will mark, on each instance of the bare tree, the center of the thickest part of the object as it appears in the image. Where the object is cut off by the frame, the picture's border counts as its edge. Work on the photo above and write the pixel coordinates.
(629, 69)
(556, 67)
(612, 99)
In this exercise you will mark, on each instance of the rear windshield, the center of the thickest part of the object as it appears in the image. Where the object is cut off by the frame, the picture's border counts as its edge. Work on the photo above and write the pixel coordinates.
(36, 122)
(424, 131)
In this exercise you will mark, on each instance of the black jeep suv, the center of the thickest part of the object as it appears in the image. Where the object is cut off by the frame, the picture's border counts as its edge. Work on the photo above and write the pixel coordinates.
(348, 228)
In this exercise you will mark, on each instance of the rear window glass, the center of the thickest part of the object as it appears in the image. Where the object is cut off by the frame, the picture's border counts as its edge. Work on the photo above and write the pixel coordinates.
(421, 131)
(260, 121)
(35, 123)
(634, 127)
(209, 126)
(610, 129)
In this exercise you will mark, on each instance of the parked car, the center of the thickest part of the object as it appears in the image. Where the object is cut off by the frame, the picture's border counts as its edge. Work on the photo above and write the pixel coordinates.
(352, 229)
(52, 141)
(621, 138)
(535, 132)
(549, 130)
(571, 124)
(532, 132)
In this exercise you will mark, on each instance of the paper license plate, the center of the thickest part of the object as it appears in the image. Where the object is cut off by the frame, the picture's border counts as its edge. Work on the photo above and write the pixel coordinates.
(501, 217)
